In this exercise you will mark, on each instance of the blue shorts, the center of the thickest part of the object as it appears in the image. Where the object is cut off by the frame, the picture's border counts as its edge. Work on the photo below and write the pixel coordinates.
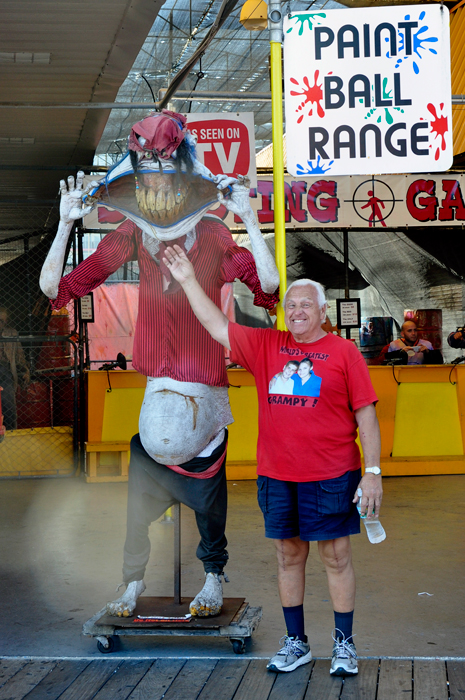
(311, 510)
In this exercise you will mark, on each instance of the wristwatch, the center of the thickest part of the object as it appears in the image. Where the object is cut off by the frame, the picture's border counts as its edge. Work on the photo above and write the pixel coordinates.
(373, 470)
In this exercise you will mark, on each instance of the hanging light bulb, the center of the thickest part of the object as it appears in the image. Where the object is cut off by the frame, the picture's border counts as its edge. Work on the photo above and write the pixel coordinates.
(254, 15)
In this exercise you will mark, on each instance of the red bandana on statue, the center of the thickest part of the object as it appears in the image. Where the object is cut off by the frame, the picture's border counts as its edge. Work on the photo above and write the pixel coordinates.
(162, 133)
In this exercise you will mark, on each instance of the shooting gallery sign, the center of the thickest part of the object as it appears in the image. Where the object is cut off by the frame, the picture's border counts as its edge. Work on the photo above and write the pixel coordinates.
(368, 90)
(384, 201)
(360, 202)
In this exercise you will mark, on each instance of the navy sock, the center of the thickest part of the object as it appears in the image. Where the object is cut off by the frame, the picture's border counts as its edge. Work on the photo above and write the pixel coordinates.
(343, 623)
(294, 619)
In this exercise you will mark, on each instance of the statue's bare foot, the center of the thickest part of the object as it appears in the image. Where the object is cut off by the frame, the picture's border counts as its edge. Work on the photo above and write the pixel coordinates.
(125, 606)
(208, 602)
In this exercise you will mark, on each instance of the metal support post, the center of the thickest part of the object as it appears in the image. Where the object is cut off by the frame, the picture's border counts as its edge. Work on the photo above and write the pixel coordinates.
(346, 271)
(275, 24)
(177, 552)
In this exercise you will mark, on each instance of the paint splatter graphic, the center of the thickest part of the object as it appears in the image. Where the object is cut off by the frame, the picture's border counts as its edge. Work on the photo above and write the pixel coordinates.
(317, 169)
(387, 95)
(439, 127)
(303, 19)
(387, 114)
(313, 94)
(419, 43)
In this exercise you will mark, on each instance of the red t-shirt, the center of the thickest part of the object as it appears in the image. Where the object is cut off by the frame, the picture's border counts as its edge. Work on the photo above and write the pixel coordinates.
(307, 425)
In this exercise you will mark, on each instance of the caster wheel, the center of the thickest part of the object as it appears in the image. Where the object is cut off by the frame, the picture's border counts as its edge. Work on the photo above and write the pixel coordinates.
(238, 646)
(107, 650)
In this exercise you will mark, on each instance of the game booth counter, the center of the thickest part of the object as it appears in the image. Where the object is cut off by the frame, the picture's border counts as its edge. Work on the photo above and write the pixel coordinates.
(421, 411)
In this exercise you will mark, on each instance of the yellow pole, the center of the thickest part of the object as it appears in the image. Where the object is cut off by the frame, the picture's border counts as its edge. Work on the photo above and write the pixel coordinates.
(278, 172)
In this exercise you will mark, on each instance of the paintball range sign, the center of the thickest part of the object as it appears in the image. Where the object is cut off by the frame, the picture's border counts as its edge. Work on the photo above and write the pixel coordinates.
(225, 142)
(368, 91)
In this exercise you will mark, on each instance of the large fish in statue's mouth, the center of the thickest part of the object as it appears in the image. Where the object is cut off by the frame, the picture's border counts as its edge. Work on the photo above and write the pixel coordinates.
(159, 202)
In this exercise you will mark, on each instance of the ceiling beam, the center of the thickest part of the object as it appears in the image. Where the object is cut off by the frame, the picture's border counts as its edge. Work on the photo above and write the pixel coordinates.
(180, 95)
(186, 95)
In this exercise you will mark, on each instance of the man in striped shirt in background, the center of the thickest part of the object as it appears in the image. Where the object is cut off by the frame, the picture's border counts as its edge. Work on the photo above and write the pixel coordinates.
(180, 451)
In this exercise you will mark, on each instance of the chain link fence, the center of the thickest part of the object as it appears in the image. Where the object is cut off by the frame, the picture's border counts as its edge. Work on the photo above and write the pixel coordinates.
(40, 368)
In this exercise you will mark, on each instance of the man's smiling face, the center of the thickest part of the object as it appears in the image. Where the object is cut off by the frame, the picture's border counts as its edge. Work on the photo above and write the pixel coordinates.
(303, 315)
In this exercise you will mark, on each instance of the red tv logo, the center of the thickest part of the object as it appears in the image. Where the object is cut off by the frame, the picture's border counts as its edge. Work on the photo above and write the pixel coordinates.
(222, 145)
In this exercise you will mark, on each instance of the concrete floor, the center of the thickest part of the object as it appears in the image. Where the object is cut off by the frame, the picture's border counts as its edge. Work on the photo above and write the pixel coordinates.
(61, 560)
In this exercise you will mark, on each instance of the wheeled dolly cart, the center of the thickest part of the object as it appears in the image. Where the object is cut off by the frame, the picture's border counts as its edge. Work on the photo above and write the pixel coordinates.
(237, 620)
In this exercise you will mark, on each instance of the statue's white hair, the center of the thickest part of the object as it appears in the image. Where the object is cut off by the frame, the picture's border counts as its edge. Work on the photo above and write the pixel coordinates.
(320, 290)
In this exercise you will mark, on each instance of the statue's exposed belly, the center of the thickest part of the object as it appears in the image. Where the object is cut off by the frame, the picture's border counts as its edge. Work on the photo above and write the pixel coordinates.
(179, 419)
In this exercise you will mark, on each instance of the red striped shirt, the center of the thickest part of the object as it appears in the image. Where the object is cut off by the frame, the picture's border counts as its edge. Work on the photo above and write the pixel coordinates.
(169, 341)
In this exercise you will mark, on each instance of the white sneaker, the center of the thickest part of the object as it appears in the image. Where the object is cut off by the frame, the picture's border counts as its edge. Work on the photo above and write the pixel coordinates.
(344, 661)
(294, 653)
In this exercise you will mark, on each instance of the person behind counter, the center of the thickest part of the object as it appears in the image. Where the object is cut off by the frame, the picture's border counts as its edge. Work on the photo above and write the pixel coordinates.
(417, 351)
(456, 339)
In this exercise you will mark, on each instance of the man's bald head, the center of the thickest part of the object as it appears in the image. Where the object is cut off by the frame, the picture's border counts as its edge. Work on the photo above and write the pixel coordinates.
(409, 332)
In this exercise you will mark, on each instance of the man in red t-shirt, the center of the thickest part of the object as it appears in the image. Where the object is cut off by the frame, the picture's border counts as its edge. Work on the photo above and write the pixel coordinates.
(308, 480)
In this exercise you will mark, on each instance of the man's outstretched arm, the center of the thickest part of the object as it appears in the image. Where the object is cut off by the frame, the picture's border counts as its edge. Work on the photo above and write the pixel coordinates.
(209, 315)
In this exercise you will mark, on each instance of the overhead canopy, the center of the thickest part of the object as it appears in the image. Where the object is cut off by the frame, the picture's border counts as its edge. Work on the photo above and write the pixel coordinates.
(58, 53)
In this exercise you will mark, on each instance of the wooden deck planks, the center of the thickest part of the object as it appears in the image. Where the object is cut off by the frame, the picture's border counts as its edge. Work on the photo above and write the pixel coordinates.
(89, 682)
(224, 680)
(123, 680)
(227, 679)
(58, 680)
(395, 680)
(291, 686)
(10, 668)
(157, 680)
(322, 685)
(25, 680)
(456, 675)
(191, 679)
(429, 680)
(257, 682)
(363, 685)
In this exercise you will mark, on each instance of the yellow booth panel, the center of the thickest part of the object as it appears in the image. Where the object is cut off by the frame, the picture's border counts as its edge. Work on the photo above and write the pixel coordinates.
(37, 452)
(243, 433)
(121, 414)
(427, 421)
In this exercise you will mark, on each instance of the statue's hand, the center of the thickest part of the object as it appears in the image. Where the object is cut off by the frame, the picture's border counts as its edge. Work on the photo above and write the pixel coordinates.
(238, 202)
(71, 206)
(179, 264)
(223, 181)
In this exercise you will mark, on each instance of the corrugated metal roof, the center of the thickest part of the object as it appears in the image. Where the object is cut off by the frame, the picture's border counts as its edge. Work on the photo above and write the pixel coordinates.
(92, 46)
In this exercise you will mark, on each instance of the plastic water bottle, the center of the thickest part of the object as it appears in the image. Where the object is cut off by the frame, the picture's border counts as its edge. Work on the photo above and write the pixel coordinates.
(375, 530)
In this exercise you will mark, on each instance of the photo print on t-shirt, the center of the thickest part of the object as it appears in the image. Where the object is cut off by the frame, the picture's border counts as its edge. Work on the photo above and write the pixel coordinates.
(297, 378)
